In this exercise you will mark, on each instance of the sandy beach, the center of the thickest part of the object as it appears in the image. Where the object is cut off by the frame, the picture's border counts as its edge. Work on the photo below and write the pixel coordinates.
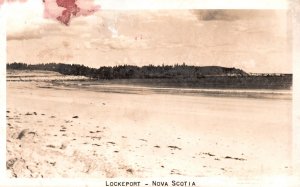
(55, 130)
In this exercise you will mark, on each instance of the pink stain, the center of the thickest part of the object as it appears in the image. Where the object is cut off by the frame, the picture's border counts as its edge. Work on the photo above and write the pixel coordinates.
(70, 9)
(64, 10)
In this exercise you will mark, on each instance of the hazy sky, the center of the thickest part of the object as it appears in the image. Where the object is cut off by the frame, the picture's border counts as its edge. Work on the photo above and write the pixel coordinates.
(254, 40)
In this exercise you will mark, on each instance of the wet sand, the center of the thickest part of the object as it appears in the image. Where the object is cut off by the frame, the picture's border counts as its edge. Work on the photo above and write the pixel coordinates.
(60, 131)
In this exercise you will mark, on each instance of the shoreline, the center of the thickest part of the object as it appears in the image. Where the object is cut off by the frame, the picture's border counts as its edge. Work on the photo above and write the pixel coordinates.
(213, 77)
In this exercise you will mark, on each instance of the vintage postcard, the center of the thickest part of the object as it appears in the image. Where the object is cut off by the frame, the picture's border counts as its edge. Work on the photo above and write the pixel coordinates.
(137, 96)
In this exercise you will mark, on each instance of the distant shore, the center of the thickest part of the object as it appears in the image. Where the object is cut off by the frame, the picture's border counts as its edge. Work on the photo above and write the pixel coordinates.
(145, 86)
(177, 76)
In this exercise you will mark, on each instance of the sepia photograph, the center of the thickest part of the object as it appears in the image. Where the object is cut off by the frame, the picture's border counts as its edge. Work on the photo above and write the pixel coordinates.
(165, 93)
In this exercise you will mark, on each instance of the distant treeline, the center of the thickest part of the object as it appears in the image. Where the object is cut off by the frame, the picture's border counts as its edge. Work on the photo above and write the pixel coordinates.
(133, 72)
(171, 76)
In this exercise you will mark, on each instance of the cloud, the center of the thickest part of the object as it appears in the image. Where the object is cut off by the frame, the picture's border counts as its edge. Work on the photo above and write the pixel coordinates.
(24, 35)
(209, 15)
(11, 1)
(29, 23)
(143, 37)
(24, 20)
(59, 10)
(232, 15)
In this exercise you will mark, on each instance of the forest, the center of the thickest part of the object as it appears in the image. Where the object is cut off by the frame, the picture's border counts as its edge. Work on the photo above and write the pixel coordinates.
(133, 72)
(166, 75)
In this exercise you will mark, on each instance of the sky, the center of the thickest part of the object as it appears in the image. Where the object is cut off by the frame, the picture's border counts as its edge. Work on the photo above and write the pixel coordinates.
(256, 41)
